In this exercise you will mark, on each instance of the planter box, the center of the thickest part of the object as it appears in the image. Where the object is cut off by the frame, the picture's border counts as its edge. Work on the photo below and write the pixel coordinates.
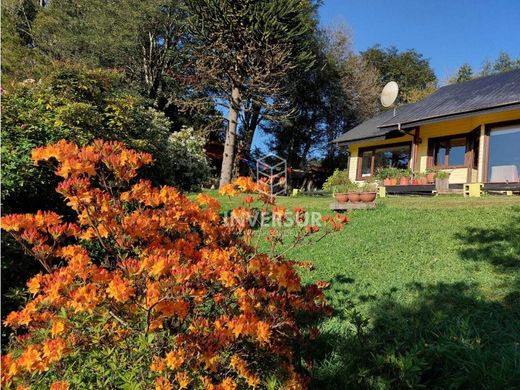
(442, 185)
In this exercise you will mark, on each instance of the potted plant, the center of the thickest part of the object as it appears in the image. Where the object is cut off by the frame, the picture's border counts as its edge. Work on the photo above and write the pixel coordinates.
(338, 182)
(354, 193)
(383, 175)
(340, 193)
(442, 181)
(421, 179)
(368, 192)
(404, 176)
(430, 174)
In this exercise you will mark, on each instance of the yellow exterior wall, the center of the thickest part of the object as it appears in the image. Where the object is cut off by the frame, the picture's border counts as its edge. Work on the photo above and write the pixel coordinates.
(451, 127)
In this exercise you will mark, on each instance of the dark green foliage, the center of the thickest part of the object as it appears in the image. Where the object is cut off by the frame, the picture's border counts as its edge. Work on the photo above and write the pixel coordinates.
(408, 68)
(465, 73)
(79, 105)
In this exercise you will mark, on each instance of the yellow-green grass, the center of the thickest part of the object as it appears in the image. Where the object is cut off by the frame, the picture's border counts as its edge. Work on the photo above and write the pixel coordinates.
(426, 292)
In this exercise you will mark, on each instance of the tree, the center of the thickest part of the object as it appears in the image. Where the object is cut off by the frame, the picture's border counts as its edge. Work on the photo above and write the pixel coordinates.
(338, 92)
(408, 68)
(246, 50)
(503, 63)
(145, 287)
(465, 73)
(145, 39)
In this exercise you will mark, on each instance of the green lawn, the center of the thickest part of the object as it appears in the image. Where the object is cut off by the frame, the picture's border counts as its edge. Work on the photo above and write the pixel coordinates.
(426, 293)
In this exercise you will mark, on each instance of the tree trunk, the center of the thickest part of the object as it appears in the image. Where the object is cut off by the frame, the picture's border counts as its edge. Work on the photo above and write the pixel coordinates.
(229, 146)
(252, 121)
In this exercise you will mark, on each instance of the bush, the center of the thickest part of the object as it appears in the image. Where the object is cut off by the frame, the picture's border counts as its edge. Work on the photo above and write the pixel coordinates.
(189, 166)
(80, 105)
(147, 287)
(339, 179)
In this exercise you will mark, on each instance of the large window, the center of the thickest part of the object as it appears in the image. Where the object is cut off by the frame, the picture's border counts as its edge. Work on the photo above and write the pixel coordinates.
(448, 152)
(372, 159)
(504, 153)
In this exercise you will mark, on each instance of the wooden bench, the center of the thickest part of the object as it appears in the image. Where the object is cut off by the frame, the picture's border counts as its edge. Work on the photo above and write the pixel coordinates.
(337, 206)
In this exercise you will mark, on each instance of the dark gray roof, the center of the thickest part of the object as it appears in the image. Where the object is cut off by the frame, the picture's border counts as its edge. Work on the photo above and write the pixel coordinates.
(369, 129)
(497, 92)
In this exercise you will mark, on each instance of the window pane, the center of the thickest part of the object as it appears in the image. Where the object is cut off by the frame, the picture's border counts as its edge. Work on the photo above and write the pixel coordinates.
(440, 153)
(393, 156)
(366, 164)
(457, 151)
(504, 150)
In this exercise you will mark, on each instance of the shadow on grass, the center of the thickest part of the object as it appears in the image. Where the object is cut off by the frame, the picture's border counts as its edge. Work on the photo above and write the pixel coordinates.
(448, 338)
(499, 247)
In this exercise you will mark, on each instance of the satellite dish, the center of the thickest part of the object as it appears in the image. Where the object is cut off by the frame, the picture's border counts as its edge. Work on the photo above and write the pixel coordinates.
(389, 94)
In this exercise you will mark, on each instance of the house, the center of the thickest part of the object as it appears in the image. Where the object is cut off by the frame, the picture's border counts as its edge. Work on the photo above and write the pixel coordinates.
(471, 129)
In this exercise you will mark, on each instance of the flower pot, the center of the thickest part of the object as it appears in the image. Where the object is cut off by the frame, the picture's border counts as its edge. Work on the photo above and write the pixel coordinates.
(387, 182)
(430, 177)
(367, 197)
(415, 182)
(423, 181)
(393, 182)
(341, 197)
(404, 181)
(354, 197)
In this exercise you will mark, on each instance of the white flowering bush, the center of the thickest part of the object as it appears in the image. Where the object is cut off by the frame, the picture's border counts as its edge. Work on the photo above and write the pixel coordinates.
(188, 163)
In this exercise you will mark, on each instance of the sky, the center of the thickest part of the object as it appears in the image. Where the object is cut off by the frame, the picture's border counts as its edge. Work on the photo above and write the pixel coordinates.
(447, 32)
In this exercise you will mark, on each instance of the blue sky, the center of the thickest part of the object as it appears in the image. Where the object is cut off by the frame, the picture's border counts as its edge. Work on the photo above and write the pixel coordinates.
(448, 32)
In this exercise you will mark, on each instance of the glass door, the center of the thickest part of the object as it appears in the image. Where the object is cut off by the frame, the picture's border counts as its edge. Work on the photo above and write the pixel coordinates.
(504, 154)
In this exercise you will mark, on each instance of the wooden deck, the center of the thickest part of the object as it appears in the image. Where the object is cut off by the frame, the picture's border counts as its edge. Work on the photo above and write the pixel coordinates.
(427, 189)
(515, 187)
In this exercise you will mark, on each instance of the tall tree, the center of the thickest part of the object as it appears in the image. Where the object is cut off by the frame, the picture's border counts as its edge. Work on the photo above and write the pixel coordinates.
(246, 50)
(337, 93)
(408, 68)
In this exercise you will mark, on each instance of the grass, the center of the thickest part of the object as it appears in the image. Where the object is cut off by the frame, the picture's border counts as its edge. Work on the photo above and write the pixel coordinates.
(426, 293)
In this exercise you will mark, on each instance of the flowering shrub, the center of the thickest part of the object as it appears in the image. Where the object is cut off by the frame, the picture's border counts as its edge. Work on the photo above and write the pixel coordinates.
(189, 167)
(146, 288)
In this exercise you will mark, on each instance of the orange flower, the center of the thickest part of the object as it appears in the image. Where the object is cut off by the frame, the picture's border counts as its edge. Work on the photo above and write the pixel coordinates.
(183, 379)
(157, 364)
(163, 383)
(228, 189)
(263, 332)
(228, 384)
(120, 289)
(60, 385)
(174, 359)
(58, 326)
(34, 284)
(31, 359)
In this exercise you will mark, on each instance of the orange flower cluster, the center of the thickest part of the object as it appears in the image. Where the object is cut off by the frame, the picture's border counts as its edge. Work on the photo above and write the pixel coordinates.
(141, 260)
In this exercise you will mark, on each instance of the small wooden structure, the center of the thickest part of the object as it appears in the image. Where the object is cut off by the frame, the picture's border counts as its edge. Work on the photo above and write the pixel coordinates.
(337, 206)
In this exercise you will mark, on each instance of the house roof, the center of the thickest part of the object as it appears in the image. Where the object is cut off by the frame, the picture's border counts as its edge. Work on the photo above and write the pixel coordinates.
(492, 93)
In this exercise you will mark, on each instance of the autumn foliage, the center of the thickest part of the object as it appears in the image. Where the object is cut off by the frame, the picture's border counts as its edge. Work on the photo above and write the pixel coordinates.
(167, 283)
